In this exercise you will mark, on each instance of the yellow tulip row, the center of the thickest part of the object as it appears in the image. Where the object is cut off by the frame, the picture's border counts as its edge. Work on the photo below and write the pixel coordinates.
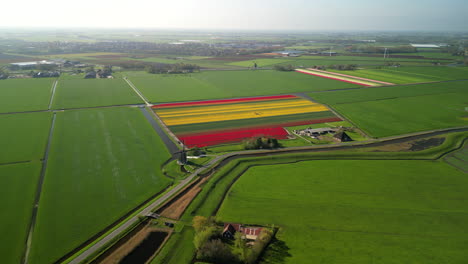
(221, 109)
(242, 112)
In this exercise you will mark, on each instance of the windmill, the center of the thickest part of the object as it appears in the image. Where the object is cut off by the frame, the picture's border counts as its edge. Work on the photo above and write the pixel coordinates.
(182, 155)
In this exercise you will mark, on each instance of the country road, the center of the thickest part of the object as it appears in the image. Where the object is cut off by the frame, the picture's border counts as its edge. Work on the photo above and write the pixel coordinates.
(224, 159)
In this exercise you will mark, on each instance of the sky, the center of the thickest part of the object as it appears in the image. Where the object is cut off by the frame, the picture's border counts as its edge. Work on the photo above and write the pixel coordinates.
(302, 15)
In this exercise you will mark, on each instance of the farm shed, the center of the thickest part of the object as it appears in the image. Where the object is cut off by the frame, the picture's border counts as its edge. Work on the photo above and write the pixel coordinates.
(342, 137)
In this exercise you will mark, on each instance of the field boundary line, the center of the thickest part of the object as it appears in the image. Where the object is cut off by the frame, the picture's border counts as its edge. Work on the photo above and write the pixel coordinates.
(38, 192)
(54, 87)
(15, 162)
(137, 91)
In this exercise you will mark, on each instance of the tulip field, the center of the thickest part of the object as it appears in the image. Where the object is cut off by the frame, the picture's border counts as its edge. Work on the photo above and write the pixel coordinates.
(214, 122)
(343, 77)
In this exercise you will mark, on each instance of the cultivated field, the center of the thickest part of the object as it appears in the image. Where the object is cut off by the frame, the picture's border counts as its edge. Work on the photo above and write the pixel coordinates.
(214, 122)
(226, 84)
(19, 187)
(260, 62)
(19, 95)
(23, 136)
(398, 110)
(403, 75)
(103, 163)
(74, 93)
(356, 211)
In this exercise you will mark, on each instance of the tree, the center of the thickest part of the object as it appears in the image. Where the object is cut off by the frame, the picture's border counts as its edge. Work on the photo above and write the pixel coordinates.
(202, 237)
(216, 251)
(284, 67)
(199, 223)
(241, 246)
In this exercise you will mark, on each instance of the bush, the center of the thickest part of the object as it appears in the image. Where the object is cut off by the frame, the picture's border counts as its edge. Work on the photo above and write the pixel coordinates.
(261, 143)
(284, 67)
(215, 251)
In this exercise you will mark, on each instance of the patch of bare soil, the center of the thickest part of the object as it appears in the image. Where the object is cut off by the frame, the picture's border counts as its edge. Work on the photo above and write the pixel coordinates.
(426, 143)
(177, 208)
(416, 145)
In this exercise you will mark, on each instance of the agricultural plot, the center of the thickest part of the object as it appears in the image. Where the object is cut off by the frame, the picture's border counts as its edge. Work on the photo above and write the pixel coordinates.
(404, 75)
(75, 93)
(396, 110)
(19, 95)
(23, 137)
(343, 77)
(227, 84)
(102, 164)
(206, 123)
(356, 211)
(17, 196)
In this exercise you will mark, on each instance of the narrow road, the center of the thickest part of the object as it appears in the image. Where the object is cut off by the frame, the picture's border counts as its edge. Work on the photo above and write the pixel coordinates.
(226, 158)
(38, 192)
(54, 86)
(170, 145)
(137, 91)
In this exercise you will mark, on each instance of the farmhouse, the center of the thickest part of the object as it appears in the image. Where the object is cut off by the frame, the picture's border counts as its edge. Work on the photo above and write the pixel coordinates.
(315, 131)
(250, 233)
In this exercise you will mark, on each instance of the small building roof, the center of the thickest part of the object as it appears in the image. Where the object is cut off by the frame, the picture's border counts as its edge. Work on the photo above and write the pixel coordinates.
(343, 137)
(319, 130)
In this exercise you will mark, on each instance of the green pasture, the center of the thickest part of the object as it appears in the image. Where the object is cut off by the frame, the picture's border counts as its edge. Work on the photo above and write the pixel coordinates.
(395, 110)
(227, 84)
(17, 196)
(356, 211)
(178, 249)
(102, 164)
(260, 62)
(23, 137)
(435, 55)
(75, 93)
(19, 95)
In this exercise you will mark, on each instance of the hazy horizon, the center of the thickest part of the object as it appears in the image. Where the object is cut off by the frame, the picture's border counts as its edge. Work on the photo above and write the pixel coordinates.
(254, 15)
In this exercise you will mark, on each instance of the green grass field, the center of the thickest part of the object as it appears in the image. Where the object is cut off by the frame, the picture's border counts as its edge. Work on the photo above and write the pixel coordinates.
(398, 110)
(23, 136)
(178, 249)
(403, 75)
(356, 211)
(102, 164)
(19, 95)
(74, 93)
(226, 84)
(17, 196)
